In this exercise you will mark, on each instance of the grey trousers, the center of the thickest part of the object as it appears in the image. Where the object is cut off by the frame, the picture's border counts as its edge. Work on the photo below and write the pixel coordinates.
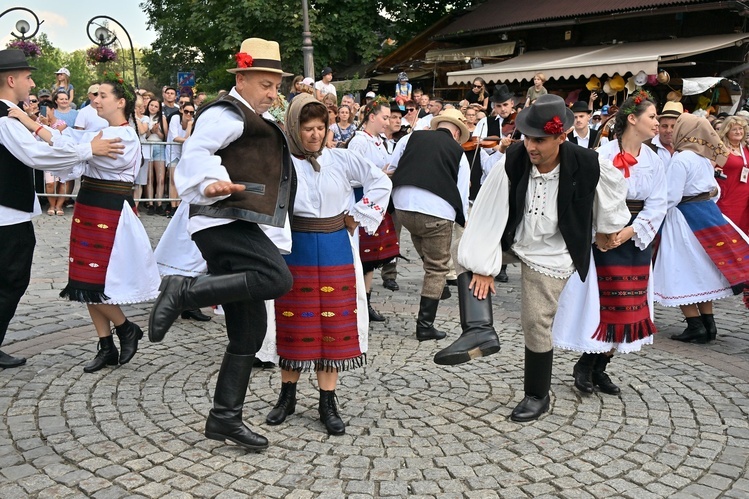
(540, 299)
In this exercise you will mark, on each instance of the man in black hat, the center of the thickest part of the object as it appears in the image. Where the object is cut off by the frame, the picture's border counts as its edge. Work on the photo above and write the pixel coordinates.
(540, 205)
(19, 153)
(582, 135)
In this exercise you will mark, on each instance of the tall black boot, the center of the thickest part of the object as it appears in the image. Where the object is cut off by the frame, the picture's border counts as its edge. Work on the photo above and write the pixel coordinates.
(695, 331)
(374, 315)
(129, 333)
(600, 378)
(285, 406)
(537, 385)
(583, 372)
(106, 356)
(329, 413)
(425, 320)
(225, 419)
(479, 338)
(179, 293)
(708, 320)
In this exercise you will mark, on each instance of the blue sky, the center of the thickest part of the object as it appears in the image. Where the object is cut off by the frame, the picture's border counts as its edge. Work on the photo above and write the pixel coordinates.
(65, 22)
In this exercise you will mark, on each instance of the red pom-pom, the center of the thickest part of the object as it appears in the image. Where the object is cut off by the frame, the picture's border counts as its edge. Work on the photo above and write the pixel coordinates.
(554, 126)
(244, 60)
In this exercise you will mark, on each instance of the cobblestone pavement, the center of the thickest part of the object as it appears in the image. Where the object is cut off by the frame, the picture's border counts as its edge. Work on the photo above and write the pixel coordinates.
(414, 429)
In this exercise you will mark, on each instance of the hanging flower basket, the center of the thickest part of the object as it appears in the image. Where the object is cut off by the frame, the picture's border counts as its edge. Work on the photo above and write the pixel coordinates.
(29, 48)
(101, 54)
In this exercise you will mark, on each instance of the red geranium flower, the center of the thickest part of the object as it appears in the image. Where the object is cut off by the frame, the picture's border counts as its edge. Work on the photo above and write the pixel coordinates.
(244, 60)
(554, 126)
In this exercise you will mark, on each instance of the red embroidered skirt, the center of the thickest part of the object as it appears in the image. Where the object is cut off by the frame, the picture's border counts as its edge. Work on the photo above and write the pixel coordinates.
(96, 216)
(379, 248)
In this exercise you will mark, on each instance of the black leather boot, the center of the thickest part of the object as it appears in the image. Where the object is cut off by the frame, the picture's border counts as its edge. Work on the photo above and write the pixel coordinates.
(179, 293)
(196, 315)
(446, 293)
(478, 338)
(695, 331)
(329, 413)
(537, 385)
(129, 333)
(583, 372)
(600, 378)
(285, 406)
(374, 315)
(502, 276)
(8, 361)
(425, 320)
(106, 356)
(708, 320)
(225, 419)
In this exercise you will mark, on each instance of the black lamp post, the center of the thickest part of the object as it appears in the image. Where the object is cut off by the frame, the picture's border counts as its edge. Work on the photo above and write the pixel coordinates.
(307, 49)
(22, 25)
(104, 36)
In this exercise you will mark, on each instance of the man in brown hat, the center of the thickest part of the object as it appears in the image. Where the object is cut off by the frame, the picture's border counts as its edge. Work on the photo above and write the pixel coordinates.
(663, 143)
(539, 204)
(19, 153)
(236, 173)
(430, 193)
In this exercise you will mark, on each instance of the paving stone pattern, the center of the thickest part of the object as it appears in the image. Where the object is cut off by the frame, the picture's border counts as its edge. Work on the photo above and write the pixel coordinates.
(414, 429)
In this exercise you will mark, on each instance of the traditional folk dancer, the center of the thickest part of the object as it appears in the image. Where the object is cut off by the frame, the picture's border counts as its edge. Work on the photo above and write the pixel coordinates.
(20, 151)
(236, 173)
(702, 256)
(542, 201)
(381, 247)
(111, 261)
(320, 324)
(613, 310)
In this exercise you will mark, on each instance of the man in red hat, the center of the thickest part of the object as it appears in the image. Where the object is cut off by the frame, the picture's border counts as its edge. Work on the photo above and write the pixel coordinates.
(19, 153)
(236, 173)
(540, 204)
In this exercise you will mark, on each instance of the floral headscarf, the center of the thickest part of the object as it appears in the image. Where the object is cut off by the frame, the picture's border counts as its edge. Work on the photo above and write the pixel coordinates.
(695, 134)
(292, 128)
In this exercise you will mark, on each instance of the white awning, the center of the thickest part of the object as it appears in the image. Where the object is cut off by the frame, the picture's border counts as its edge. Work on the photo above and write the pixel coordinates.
(577, 62)
(461, 54)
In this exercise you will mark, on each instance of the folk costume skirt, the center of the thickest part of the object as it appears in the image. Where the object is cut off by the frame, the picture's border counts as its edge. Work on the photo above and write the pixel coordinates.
(110, 258)
(702, 256)
(381, 247)
(318, 324)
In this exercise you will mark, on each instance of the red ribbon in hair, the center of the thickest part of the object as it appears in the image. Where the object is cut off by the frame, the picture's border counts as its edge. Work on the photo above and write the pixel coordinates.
(623, 161)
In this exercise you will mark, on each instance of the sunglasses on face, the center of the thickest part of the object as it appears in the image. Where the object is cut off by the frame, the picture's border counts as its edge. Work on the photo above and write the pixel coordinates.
(34, 101)
(188, 112)
(410, 109)
(477, 86)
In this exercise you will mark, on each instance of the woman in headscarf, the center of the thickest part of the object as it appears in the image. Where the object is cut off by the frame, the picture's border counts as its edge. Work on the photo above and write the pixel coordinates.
(612, 311)
(321, 323)
(702, 257)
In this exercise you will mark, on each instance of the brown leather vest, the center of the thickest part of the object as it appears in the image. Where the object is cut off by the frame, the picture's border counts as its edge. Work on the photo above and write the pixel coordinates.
(259, 159)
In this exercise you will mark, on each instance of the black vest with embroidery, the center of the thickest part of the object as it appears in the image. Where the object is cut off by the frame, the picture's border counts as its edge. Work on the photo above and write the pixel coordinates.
(431, 161)
(578, 177)
(17, 180)
(259, 159)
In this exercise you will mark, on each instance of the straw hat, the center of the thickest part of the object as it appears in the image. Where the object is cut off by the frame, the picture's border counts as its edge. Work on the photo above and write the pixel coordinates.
(257, 54)
(455, 117)
(631, 85)
(672, 110)
(607, 89)
(674, 96)
(594, 84)
(641, 78)
(663, 77)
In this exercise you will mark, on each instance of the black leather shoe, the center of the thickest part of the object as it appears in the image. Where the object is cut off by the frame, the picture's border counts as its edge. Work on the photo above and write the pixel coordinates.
(285, 406)
(374, 315)
(600, 378)
(452, 282)
(390, 284)
(583, 371)
(708, 320)
(695, 331)
(446, 293)
(530, 408)
(195, 315)
(8, 361)
(233, 431)
(106, 356)
(329, 413)
(129, 333)
(502, 276)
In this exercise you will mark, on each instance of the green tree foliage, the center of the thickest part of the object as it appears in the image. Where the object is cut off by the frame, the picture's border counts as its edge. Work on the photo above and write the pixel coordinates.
(203, 35)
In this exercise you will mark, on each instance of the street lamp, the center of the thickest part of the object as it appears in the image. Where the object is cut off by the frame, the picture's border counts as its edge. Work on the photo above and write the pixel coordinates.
(104, 36)
(23, 26)
(307, 49)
